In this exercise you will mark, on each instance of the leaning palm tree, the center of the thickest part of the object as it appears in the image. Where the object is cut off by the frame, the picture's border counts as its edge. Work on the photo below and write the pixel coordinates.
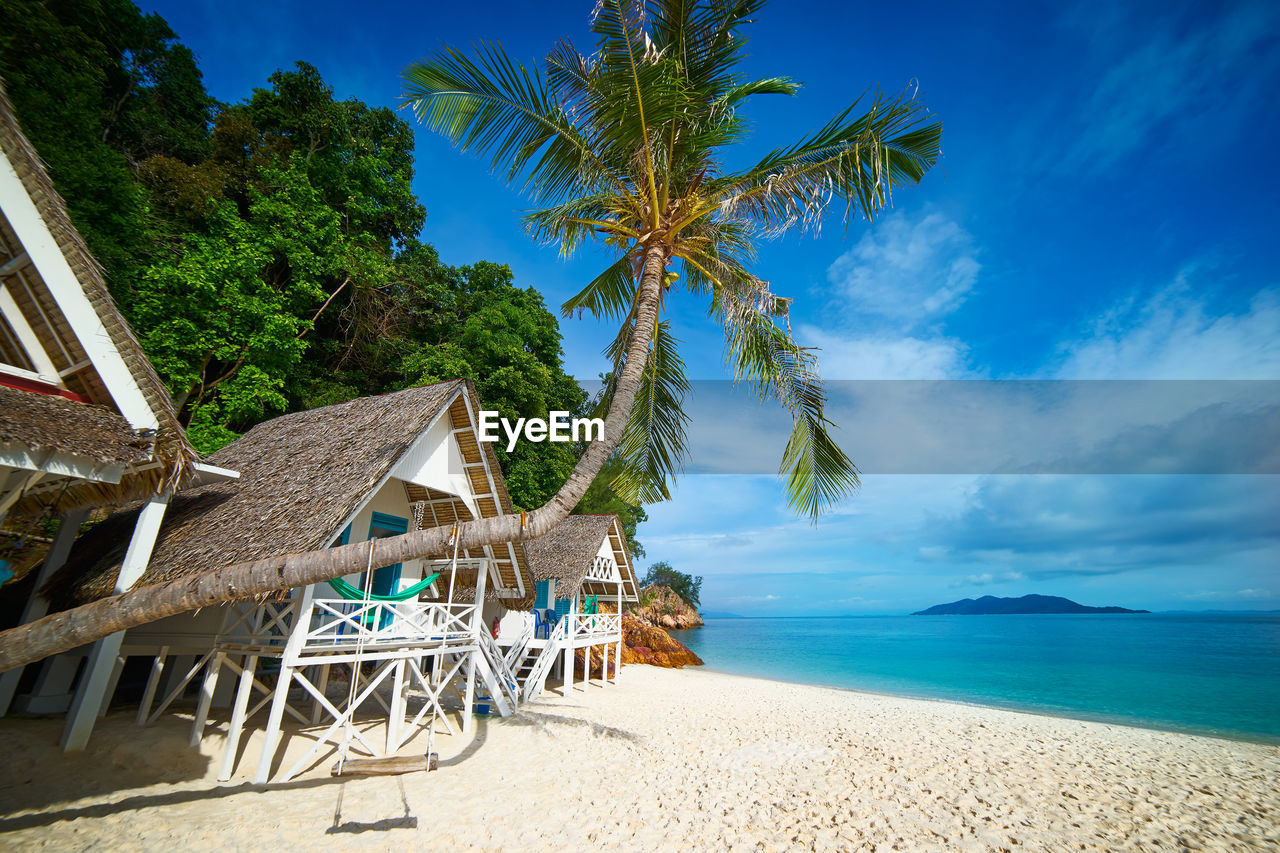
(622, 146)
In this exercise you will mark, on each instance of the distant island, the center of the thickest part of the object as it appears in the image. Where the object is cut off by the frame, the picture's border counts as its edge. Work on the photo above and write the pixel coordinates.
(990, 605)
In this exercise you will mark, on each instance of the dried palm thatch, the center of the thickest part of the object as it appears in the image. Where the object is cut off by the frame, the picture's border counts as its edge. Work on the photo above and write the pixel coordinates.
(44, 423)
(566, 554)
(302, 478)
(170, 447)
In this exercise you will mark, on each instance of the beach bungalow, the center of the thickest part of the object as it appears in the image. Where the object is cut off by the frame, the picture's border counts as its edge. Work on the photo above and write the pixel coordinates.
(580, 566)
(84, 422)
(402, 637)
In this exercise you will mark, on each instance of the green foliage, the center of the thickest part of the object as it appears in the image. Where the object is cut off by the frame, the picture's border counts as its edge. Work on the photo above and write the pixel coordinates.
(688, 587)
(265, 251)
(99, 88)
(601, 499)
(626, 145)
(504, 339)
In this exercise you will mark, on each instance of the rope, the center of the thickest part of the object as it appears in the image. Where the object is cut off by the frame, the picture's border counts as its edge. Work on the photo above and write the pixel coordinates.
(345, 750)
(453, 574)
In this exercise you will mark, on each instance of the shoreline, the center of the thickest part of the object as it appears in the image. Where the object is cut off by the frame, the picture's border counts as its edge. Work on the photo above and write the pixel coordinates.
(670, 759)
(1013, 708)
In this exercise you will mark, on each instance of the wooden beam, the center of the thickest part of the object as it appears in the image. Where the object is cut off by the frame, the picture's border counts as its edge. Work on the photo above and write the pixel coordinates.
(14, 264)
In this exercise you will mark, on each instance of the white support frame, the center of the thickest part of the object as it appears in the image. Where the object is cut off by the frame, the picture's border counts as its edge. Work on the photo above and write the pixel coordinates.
(46, 256)
(94, 690)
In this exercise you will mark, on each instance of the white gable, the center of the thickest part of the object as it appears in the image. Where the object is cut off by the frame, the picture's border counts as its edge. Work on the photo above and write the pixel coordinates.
(435, 462)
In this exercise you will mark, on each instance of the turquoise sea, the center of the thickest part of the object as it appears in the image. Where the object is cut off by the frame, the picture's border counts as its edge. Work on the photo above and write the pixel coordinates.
(1203, 673)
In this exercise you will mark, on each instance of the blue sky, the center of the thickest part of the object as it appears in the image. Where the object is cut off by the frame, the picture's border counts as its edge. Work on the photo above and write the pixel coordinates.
(1105, 208)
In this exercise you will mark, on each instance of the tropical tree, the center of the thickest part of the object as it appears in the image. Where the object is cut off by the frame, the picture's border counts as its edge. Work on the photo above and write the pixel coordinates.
(688, 587)
(623, 146)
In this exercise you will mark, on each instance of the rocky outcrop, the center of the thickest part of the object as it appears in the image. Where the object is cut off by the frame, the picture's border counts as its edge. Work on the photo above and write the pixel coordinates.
(662, 608)
(643, 643)
(601, 658)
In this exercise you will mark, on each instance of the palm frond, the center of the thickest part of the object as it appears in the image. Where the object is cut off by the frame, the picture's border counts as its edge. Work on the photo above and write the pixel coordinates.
(609, 295)
(654, 443)
(499, 107)
(856, 158)
(817, 472)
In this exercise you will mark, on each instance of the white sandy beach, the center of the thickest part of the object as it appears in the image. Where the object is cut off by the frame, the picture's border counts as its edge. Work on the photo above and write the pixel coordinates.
(671, 760)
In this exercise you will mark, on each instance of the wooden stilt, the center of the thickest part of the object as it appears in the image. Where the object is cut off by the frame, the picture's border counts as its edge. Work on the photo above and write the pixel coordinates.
(317, 710)
(37, 606)
(153, 683)
(112, 682)
(207, 690)
(91, 693)
(395, 716)
(272, 735)
(236, 726)
(568, 668)
(470, 694)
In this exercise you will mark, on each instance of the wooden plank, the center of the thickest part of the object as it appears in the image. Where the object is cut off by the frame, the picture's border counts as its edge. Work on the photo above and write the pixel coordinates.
(392, 766)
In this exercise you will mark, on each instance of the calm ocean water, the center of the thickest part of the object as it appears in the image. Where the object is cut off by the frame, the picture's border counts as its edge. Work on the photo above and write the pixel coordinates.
(1209, 674)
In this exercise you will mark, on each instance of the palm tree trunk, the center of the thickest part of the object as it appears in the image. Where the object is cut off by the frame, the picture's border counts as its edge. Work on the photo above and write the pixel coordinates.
(69, 629)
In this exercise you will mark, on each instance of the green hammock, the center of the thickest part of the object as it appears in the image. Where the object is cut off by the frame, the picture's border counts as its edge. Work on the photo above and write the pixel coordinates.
(350, 593)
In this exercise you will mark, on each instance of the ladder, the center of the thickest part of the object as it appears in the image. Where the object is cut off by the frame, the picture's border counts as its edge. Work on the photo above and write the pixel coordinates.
(536, 679)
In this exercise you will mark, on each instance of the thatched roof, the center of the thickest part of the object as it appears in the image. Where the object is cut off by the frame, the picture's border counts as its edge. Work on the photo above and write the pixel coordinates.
(171, 448)
(45, 422)
(302, 477)
(568, 551)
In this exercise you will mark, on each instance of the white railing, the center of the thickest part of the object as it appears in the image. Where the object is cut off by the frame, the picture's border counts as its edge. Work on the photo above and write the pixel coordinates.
(267, 624)
(515, 652)
(595, 624)
(507, 683)
(603, 569)
(338, 621)
(537, 678)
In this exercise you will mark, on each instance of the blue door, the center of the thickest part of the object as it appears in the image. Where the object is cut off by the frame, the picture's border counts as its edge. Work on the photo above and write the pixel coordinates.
(386, 580)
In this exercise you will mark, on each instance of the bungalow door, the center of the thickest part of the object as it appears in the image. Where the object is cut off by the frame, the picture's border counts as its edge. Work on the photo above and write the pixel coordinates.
(386, 580)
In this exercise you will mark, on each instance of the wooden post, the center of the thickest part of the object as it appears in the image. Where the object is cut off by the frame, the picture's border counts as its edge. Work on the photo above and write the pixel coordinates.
(568, 664)
(37, 606)
(617, 666)
(238, 713)
(317, 709)
(153, 682)
(207, 690)
(395, 717)
(271, 738)
(92, 692)
(302, 607)
(477, 625)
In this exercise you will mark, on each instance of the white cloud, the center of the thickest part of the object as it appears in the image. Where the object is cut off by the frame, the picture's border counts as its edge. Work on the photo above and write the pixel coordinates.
(889, 293)
(885, 357)
(1251, 594)
(907, 270)
(1175, 334)
(988, 578)
(1157, 77)
(752, 599)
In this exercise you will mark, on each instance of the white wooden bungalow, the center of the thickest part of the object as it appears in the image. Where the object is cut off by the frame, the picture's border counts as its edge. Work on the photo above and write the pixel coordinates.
(372, 467)
(584, 576)
(84, 422)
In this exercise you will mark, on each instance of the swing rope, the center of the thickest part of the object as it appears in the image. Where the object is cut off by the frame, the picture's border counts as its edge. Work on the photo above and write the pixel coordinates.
(355, 665)
(453, 574)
